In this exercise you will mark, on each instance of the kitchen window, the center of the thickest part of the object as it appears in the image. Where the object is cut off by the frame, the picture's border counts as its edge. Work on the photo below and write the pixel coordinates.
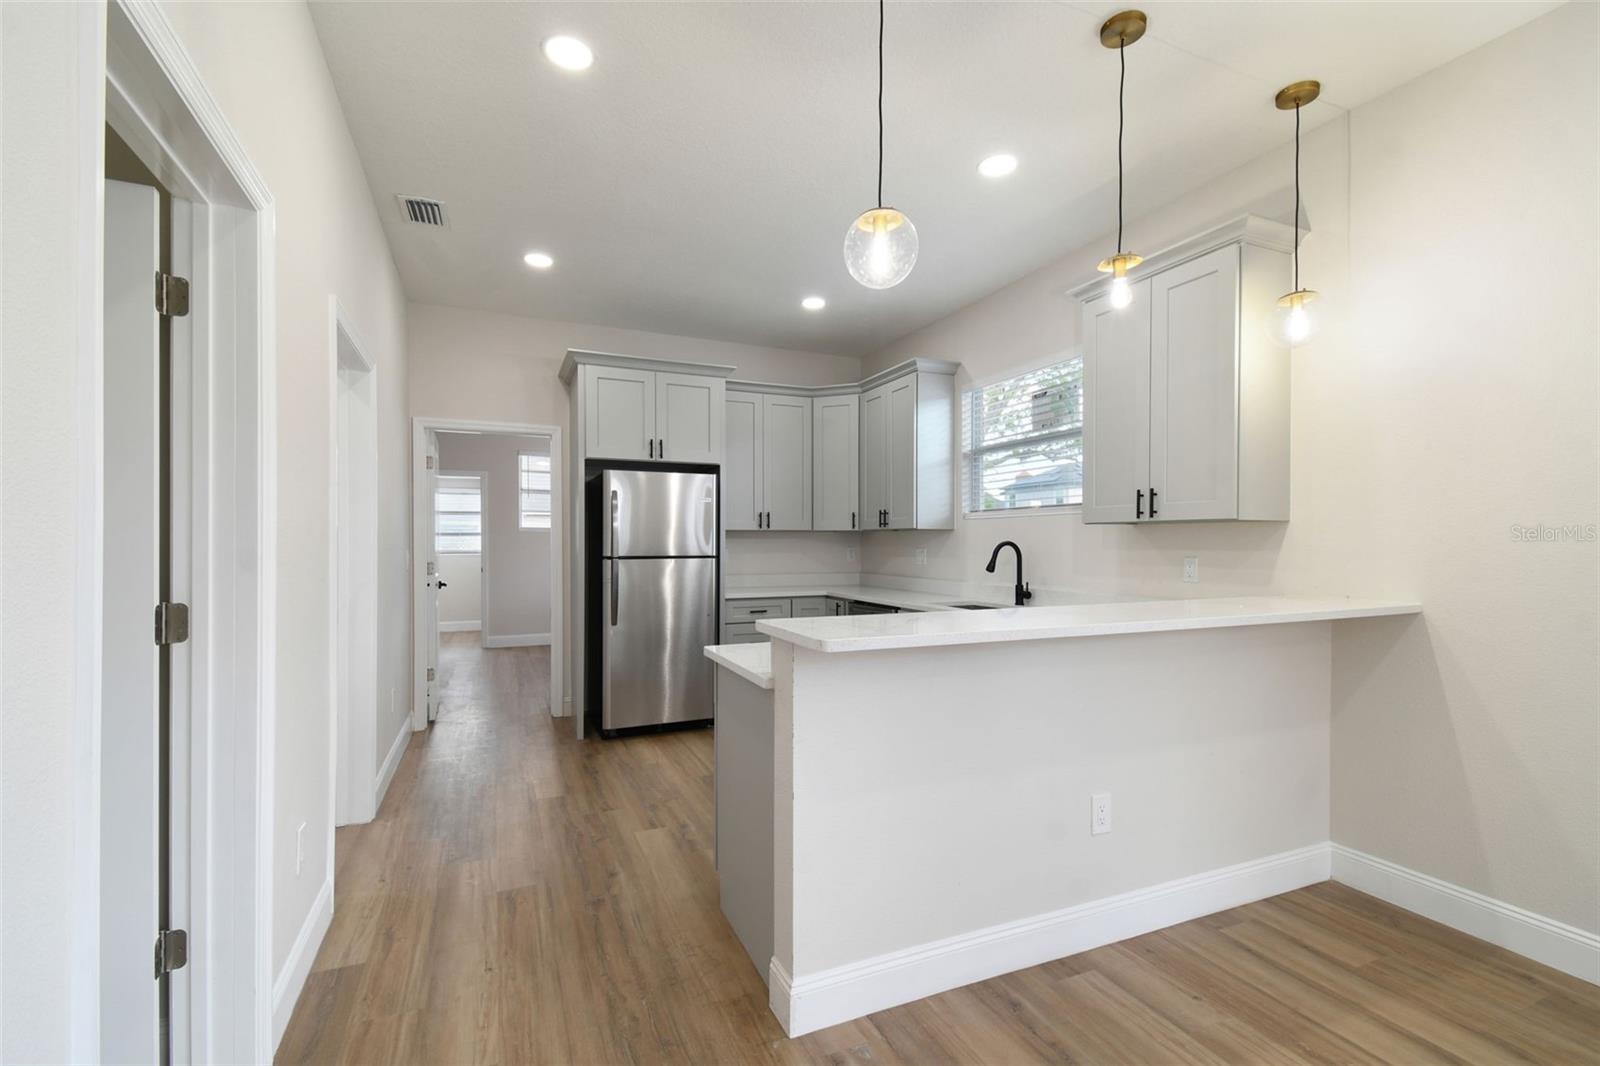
(458, 515)
(533, 491)
(1022, 441)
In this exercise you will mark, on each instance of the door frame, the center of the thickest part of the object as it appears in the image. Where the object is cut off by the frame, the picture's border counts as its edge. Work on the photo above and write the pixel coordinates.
(483, 550)
(421, 506)
(349, 735)
(226, 436)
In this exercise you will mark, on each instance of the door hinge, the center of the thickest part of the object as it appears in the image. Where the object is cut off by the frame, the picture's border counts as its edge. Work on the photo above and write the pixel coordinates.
(430, 673)
(172, 951)
(427, 461)
(430, 569)
(172, 295)
(172, 623)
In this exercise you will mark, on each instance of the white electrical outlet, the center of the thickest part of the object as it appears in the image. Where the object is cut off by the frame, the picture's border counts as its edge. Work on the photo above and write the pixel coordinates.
(1191, 568)
(1100, 813)
(299, 849)
(921, 556)
(850, 555)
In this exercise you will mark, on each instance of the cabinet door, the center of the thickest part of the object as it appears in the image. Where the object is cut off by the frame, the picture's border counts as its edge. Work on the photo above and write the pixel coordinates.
(874, 457)
(741, 460)
(836, 462)
(619, 413)
(689, 418)
(902, 461)
(786, 461)
(1116, 408)
(1194, 414)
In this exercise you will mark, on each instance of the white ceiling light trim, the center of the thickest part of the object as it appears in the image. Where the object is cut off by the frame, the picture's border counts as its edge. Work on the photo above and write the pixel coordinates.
(813, 303)
(998, 166)
(539, 260)
(568, 53)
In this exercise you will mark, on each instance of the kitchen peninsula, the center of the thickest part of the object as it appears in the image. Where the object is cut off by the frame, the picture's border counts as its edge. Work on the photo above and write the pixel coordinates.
(933, 776)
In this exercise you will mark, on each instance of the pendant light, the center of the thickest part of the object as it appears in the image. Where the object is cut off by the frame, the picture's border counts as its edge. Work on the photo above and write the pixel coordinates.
(880, 247)
(1118, 32)
(1293, 322)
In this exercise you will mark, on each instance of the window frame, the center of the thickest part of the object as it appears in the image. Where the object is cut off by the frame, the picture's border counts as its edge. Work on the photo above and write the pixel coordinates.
(547, 514)
(970, 455)
(482, 480)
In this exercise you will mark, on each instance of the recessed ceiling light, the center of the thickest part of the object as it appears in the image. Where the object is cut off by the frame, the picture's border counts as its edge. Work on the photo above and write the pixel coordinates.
(998, 166)
(813, 303)
(539, 260)
(568, 53)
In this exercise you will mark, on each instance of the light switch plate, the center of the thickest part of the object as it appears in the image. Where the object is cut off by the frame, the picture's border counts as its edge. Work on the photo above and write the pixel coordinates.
(850, 555)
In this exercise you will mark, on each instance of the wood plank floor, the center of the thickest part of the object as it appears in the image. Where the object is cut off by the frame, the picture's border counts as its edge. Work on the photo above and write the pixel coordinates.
(526, 898)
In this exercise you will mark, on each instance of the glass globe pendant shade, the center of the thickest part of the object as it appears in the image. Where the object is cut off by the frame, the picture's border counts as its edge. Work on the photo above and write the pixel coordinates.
(880, 248)
(1293, 322)
(1121, 294)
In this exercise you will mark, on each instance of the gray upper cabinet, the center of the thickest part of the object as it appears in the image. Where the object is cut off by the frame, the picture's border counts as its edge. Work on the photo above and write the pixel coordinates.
(908, 450)
(741, 466)
(786, 461)
(1186, 397)
(632, 413)
(836, 462)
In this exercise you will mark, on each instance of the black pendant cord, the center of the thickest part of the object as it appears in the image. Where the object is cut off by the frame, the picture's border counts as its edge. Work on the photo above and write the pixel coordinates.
(1122, 81)
(1296, 197)
(880, 104)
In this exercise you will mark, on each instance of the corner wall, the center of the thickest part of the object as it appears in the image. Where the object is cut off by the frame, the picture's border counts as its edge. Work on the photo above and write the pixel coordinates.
(1444, 425)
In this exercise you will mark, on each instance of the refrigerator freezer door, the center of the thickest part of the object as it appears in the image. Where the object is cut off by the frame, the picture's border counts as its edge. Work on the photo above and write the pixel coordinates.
(658, 512)
(659, 614)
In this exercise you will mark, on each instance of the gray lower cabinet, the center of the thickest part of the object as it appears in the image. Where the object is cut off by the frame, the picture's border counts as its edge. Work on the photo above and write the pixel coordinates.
(744, 804)
(808, 607)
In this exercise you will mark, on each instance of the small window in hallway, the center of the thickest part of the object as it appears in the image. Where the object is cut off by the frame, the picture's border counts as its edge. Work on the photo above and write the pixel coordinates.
(533, 475)
(458, 515)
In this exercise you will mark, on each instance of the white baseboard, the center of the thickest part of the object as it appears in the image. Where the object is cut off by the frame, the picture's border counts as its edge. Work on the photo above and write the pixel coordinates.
(566, 708)
(517, 640)
(460, 627)
(292, 978)
(391, 763)
(815, 1001)
(1558, 945)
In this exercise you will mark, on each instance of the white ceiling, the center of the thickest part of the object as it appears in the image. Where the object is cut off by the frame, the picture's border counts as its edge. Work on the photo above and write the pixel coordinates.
(699, 178)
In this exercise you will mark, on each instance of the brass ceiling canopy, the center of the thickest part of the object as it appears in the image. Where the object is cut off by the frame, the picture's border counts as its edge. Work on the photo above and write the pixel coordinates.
(1123, 28)
(1292, 96)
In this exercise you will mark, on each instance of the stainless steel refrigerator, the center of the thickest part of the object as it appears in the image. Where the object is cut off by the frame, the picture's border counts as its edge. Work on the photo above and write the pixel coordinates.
(657, 603)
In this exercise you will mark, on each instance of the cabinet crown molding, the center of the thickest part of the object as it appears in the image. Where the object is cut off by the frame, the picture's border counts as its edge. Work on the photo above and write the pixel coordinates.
(899, 370)
(577, 357)
(1246, 229)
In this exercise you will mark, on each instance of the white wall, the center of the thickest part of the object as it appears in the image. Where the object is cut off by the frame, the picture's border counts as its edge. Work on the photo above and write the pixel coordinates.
(1450, 398)
(265, 67)
(517, 577)
(502, 368)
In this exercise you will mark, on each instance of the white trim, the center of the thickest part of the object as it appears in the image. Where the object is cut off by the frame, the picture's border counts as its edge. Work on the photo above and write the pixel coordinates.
(158, 102)
(818, 1000)
(556, 638)
(1558, 945)
(297, 967)
(517, 640)
(461, 627)
(391, 763)
(1017, 512)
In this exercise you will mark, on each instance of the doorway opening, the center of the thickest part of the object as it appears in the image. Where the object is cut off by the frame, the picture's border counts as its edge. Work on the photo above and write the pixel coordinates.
(488, 509)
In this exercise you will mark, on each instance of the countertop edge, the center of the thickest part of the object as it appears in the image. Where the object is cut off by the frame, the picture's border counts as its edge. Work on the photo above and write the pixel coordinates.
(728, 659)
(1286, 614)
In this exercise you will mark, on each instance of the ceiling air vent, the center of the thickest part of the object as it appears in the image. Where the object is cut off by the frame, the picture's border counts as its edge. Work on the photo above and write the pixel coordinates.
(421, 210)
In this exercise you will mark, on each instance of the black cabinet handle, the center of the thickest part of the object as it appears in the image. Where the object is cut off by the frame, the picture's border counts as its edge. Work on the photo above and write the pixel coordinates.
(852, 520)
(1152, 501)
(661, 447)
(652, 447)
(1138, 503)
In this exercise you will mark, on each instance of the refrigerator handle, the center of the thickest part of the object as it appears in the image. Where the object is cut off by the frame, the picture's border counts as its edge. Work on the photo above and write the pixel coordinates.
(614, 578)
(711, 517)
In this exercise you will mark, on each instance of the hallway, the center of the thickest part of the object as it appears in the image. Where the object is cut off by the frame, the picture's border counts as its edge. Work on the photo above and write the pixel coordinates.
(524, 897)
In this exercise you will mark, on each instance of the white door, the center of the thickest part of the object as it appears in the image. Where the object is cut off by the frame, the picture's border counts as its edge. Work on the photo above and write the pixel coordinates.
(902, 463)
(836, 462)
(786, 461)
(130, 710)
(619, 413)
(1116, 409)
(688, 418)
(741, 461)
(432, 590)
(875, 458)
(1194, 427)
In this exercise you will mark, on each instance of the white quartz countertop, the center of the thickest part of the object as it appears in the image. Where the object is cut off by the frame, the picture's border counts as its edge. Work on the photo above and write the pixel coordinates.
(905, 599)
(753, 662)
(946, 627)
